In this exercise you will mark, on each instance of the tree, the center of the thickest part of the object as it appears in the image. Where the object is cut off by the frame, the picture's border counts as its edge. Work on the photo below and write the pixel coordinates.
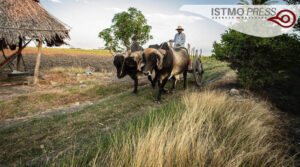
(270, 65)
(260, 62)
(257, 2)
(110, 42)
(127, 26)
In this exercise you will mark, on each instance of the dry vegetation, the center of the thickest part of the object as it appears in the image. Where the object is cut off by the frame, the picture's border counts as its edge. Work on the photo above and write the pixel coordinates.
(213, 130)
(207, 128)
(60, 87)
(99, 60)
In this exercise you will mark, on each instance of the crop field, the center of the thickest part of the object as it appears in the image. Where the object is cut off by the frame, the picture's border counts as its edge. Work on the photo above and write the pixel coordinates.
(77, 118)
(98, 60)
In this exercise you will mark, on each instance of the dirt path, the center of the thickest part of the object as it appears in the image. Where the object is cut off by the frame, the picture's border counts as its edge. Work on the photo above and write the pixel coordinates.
(77, 106)
(60, 110)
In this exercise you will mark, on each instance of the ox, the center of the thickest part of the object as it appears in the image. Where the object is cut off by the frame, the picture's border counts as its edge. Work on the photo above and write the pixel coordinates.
(127, 64)
(167, 63)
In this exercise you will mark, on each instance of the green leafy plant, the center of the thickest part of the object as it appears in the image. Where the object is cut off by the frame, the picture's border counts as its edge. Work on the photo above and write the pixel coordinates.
(260, 62)
(126, 27)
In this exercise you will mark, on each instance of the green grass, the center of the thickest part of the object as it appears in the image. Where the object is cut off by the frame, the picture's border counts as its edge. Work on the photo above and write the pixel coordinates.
(81, 132)
(134, 127)
(233, 134)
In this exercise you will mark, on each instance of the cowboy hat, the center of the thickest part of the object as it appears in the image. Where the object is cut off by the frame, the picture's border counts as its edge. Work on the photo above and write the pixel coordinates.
(179, 28)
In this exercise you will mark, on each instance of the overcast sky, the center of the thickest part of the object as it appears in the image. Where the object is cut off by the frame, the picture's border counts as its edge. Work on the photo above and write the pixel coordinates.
(88, 17)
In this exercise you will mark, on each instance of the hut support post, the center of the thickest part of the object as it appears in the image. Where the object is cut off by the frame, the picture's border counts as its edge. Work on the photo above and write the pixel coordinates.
(37, 64)
(19, 56)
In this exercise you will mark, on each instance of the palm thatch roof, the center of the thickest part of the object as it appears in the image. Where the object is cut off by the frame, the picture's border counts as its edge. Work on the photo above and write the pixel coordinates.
(22, 20)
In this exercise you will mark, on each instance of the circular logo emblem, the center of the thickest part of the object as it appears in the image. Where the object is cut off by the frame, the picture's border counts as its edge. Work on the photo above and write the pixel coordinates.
(284, 18)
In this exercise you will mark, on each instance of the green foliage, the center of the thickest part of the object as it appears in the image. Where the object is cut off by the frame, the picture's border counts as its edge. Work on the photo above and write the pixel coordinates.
(126, 27)
(110, 42)
(259, 62)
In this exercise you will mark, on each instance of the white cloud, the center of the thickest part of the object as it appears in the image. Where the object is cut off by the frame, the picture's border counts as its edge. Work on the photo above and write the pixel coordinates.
(84, 1)
(56, 1)
(116, 10)
(164, 25)
(174, 17)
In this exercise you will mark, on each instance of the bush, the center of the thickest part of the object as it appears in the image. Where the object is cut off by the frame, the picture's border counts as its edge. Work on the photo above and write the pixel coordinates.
(260, 62)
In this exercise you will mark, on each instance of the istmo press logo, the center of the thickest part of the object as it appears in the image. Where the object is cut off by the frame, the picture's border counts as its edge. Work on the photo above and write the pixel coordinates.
(255, 20)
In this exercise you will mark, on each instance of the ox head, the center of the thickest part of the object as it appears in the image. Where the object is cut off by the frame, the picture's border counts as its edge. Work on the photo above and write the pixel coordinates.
(130, 66)
(152, 60)
(119, 62)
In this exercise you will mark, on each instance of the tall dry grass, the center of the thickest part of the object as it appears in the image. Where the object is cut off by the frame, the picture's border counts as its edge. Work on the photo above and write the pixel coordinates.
(215, 130)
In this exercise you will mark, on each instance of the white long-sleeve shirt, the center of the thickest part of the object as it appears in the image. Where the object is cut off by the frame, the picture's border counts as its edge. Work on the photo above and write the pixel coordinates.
(179, 40)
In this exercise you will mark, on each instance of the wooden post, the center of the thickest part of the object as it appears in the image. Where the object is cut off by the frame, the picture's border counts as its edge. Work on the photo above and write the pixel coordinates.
(200, 54)
(19, 56)
(193, 52)
(37, 64)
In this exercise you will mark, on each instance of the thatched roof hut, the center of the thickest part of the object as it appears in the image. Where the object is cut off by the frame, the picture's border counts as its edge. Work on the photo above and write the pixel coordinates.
(26, 19)
(22, 21)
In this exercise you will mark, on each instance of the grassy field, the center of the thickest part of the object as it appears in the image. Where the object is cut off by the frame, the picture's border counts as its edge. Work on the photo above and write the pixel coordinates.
(34, 140)
(122, 129)
(206, 128)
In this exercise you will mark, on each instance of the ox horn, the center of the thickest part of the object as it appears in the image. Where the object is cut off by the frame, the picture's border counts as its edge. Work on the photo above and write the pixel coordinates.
(112, 52)
(128, 53)
(160, 53)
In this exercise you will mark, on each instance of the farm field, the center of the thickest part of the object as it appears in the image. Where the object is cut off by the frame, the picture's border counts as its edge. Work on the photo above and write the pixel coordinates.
(75, 119)
(98, 60)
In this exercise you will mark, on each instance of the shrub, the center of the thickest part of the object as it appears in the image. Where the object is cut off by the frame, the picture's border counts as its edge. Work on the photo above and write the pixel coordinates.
(260, 62)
